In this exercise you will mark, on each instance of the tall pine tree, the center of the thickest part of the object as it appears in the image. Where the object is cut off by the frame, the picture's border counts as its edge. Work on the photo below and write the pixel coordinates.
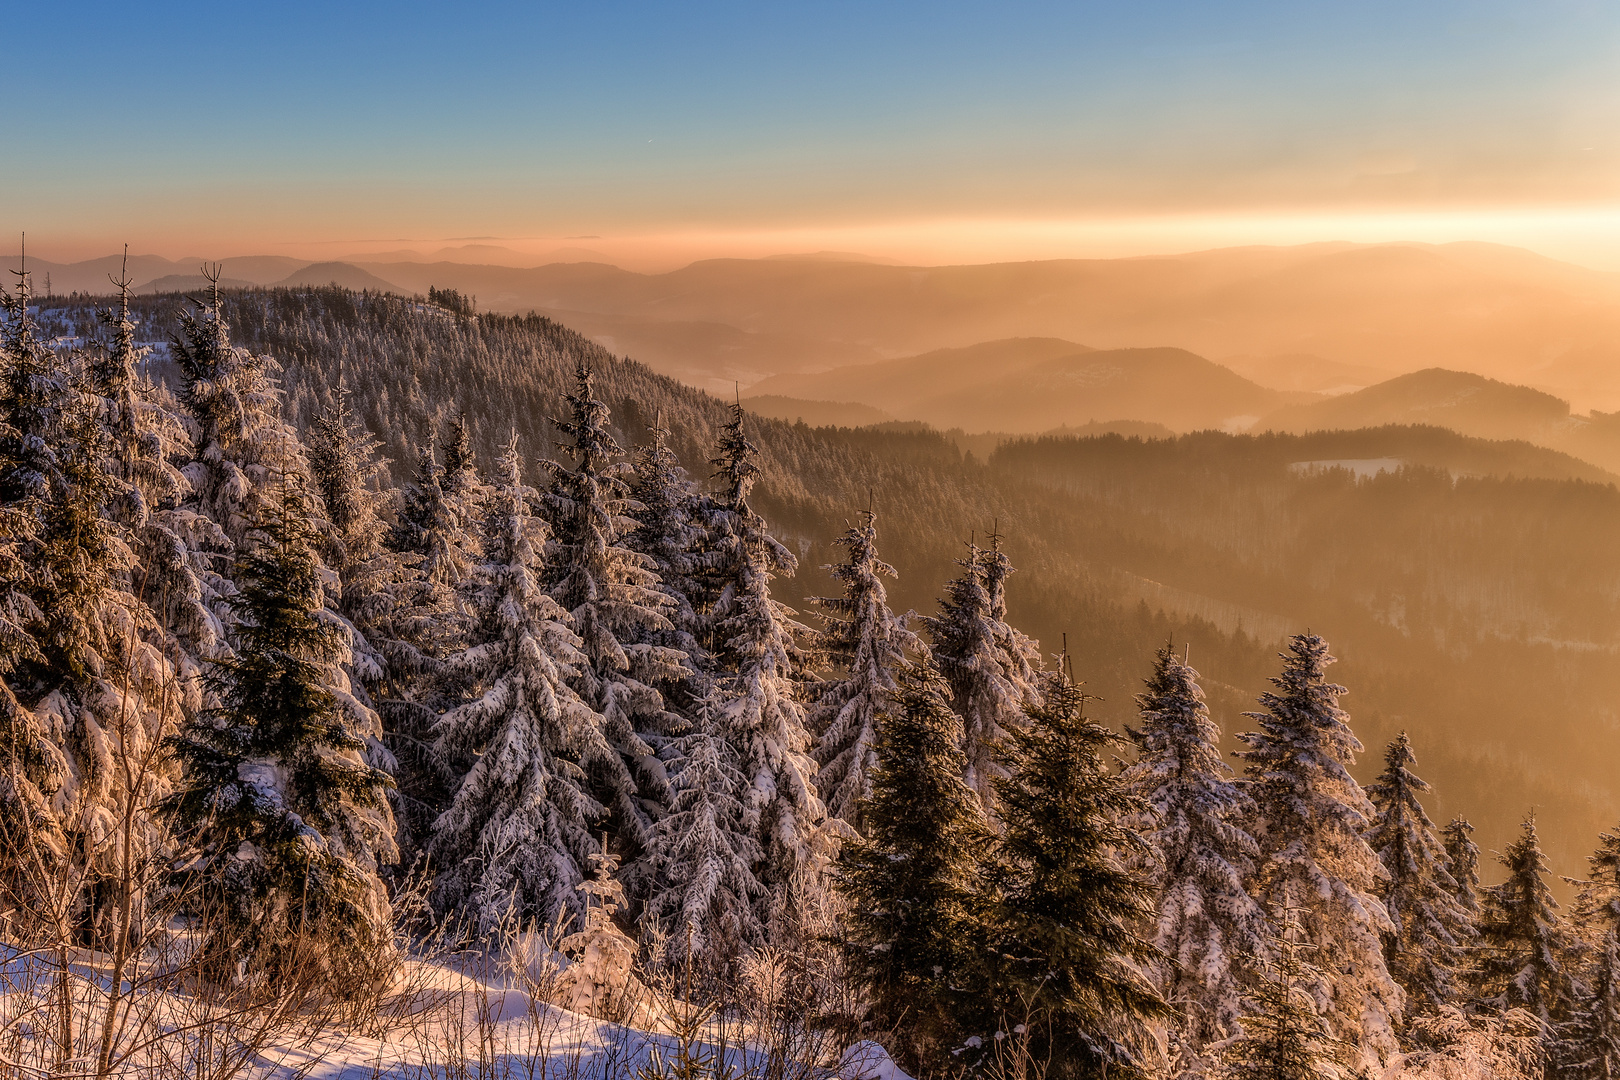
(988, 665)
(612, 595)
(914, 931)
(1524, 944)
(757, 642)
(1419, 893)
(289, 823)
(1312, 817)
(1586, 1046)
(871, 646)
(1462, 861)
(516, 838)
(1208, 928)
(1072, 957)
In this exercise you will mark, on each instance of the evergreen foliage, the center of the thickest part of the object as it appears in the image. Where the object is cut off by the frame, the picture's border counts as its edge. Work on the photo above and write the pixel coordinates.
(612, 596)
(1462, 858)
(290, 823)
(989, 666)
(1312, 815)
(1586, 1046)
(1284, 1037)
(757, 643)
(670, 516)
(516, 837)
(1067, 925)
(1206, 923)
(914, 932)
(870, 647)
(1419, 893)
(705, 888)
(1524, 943)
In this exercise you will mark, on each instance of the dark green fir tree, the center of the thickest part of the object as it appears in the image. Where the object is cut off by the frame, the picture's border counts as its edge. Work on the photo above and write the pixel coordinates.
(914, 923)
(1070, 952)
(288, 822)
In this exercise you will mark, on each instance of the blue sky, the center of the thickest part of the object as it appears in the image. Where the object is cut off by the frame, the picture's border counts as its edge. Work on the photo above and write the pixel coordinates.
(300, 124)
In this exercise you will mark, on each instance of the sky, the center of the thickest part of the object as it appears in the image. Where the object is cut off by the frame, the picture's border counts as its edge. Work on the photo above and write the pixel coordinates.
(939, 132)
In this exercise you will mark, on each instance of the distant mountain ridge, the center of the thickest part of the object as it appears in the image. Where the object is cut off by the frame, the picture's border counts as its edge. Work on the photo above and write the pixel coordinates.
(1496, 311)
(1032, 385)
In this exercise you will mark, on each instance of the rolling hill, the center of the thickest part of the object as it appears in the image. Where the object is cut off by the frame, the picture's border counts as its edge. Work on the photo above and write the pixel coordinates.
(1031, 385)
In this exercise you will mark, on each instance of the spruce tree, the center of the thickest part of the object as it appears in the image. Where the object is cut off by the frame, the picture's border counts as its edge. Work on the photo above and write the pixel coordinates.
(757, 642)
(431, 528)
(1419, 892)
(705, 890)
(600, 980)
(242, 445)
(871, 646)
(289, 823)
(32, 766)
(174, 544)
(915, 926)
(1207, 923)
(1462, 861)
(1523, 941)
(1312, 815)
(516, 837)
(669, 516)
(1284, 1037)
(1067, 927)
(1586, 1046)
(379, 592)
(988, 665)
(611, 594)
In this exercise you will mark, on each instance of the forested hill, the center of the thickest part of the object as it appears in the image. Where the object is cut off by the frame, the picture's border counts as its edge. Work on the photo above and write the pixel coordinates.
(1469, 587)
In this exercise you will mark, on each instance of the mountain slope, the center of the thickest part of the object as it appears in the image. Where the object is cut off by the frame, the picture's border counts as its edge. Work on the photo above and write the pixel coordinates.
(1470, 587)
(1459, 400)
(899, 385)
(1032, 385)
(344, 275)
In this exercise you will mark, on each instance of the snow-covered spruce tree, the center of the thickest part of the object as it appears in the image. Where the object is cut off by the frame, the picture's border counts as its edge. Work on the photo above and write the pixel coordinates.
(1586, 1046)
(289, 823)
(243, 446)
(517, 834)
(1462, 862)
(611, 594)
(379, 591)
(1068, 923)
(32, 766)
(174, 544)
(987, 664)
(1283, 1037)
(915, 928)
(757, 642)
(1419, 893)
(705, 892)
(1312, 815)
(669, 516)
(601, 980)
(871, 646)
(1207, 924)
(430, 528)
(461, 480)
(1524, 944)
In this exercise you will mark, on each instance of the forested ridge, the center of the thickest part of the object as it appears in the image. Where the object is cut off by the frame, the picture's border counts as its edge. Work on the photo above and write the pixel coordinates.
(327, 593)
(1466, 591)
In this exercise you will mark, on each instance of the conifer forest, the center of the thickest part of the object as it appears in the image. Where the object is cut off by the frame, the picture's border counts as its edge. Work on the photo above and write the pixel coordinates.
(360, 648)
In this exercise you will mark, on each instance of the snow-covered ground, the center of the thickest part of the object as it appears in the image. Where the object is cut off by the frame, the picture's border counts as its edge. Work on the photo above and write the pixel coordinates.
(451, 1018)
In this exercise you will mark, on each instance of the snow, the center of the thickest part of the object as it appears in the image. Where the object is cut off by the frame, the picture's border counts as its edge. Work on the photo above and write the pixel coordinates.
(464, 1014)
